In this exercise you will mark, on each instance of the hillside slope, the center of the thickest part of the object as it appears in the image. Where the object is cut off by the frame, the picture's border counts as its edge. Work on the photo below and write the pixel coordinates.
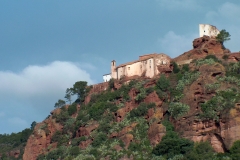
(158, 118)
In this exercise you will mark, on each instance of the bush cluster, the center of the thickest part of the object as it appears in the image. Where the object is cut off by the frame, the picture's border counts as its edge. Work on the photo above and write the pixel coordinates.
(141, 110)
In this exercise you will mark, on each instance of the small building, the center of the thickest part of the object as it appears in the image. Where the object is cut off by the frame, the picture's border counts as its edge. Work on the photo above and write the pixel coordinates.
(106, 77)
(208, 30)
(147, 65)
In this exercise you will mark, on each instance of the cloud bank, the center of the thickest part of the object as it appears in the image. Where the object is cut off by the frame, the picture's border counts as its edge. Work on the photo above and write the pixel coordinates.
(35, 90)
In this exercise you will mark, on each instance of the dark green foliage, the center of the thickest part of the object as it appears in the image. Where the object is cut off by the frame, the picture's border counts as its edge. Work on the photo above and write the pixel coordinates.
(13, 140)
(175, 67)
(76, 141)
(223, 36)
(54, 154)
(74, 151)
(94, 152)
(56, 136)
(149, 90)
(101, 138)
(235, 150)
(62, 117)
(33, 124)
(60, 103)
(222, 102)
(163, 83)
(201, 151)
(72, 109)
(162, 95)
(172, 144)
(97, 110)
(141, 110)
(212, 57)
(185, 68)
(68, 95)
(104, 127)
(233, 69)
(168, 125)
(80, 88)
(111, 83)
(134, 147)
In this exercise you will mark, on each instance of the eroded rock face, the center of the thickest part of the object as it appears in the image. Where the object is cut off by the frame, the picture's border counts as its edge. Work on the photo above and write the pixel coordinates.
(85, 144)
(39, 141)
(221, 134)
(86, 130)
(127, 139)
(202, 47)
(156, 132)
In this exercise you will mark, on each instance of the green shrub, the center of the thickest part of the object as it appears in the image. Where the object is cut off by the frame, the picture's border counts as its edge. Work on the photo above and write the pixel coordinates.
(163, 83)
(185, 68)
(61, 117)
(168, 125)
(149, 90)
(111, 83)
(205, 61)
(235, 150)
(175, 67)
(141, 110)
(76, 141)
(72, 109)
(141, 95)
(74, 151)
(162, 95)
(101, 138)
(97, 110)
(178, 109)
(56, 136)
(221, 102)
(202, 150)
(172, 145)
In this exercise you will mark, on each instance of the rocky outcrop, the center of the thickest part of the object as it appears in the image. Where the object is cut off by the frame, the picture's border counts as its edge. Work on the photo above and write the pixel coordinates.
(156, 132)
(202, 47)
(39, 142)
(86, 130)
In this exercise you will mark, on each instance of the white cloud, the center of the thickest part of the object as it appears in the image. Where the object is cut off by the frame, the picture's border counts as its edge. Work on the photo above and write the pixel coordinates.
(39, 80)
(30, 95)
(225, 13)
(179, 4)
(174, 45)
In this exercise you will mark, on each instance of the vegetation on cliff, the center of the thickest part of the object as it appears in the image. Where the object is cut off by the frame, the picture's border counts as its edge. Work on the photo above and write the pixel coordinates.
(157, 118)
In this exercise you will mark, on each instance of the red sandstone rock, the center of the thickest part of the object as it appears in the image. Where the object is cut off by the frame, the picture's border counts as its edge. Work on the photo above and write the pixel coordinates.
(155, 133)
(127, 139)
(202, 47)
(39, 141)
(85, 144)
(86, 130)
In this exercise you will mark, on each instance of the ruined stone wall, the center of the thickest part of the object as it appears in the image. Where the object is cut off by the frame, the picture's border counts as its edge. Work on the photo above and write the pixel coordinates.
(208, 30)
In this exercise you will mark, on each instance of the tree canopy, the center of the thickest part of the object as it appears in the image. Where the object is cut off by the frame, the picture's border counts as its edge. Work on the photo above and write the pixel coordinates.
(223, 36)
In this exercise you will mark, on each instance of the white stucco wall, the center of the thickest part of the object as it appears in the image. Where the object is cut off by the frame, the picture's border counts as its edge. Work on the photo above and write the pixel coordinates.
(149, 68)
(208, 30)
(107, 77)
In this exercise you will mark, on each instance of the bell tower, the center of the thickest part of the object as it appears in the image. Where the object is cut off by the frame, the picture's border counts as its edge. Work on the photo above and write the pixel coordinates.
(113, 69)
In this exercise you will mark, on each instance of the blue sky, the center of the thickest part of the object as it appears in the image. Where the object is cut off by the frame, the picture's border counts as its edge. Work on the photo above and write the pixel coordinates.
(46, 46)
